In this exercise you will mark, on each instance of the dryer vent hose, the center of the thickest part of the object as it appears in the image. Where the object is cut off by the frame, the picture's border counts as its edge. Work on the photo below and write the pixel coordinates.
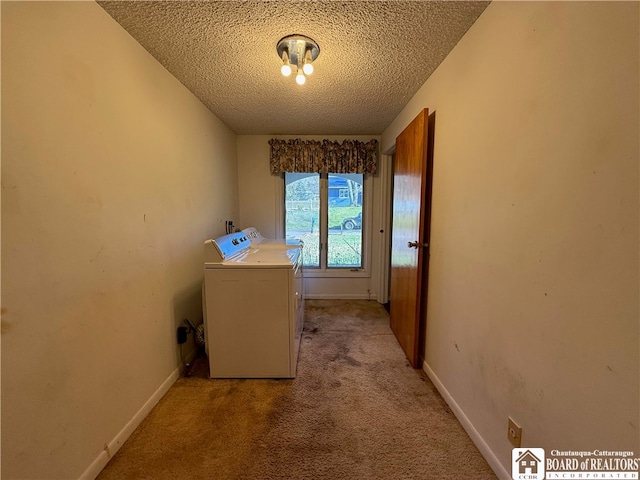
(198, 332)
(199, 336)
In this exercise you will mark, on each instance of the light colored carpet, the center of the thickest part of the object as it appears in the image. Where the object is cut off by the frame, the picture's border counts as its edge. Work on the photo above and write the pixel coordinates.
(356, 410)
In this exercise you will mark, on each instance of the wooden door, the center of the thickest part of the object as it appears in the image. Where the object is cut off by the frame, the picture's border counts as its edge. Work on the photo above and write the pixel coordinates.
(411, 209)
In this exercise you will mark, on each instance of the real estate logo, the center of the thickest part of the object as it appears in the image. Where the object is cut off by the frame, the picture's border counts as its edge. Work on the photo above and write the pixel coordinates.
(527, 463)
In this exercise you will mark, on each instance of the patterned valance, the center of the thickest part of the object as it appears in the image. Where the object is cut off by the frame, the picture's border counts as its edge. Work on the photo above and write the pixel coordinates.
(312, 156)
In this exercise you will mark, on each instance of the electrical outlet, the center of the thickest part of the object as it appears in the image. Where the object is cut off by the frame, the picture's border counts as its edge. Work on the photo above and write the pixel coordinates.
(514, 433)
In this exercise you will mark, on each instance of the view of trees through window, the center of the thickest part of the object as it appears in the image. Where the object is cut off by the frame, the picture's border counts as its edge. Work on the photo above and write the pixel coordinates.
(335, 222)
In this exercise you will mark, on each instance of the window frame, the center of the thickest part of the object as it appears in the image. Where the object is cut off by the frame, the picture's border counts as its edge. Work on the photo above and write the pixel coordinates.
(367, 206)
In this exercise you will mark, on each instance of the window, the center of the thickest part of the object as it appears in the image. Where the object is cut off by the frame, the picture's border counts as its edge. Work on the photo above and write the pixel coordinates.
(325, 211)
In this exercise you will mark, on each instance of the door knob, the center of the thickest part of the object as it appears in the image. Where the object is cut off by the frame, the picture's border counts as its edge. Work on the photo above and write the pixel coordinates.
(416, 244)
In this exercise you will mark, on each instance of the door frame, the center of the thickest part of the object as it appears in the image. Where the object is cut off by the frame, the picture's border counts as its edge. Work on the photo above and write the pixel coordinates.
(385, 171)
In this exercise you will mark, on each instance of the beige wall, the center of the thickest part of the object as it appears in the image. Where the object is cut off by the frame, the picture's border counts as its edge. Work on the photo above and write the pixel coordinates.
(261, 200)
(113, 174)
(258, 189)
(533, 288)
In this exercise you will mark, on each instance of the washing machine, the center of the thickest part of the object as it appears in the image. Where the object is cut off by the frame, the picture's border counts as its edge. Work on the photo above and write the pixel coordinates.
(253, 308)
(259, 242)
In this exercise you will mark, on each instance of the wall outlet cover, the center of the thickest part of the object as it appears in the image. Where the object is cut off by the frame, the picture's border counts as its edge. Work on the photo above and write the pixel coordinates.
(514, 433)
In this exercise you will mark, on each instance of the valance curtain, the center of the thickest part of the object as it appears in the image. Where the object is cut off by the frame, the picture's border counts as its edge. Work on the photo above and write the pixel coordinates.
(312, 156)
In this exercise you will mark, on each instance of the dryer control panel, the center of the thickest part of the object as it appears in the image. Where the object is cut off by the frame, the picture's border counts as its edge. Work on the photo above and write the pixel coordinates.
(225, 247)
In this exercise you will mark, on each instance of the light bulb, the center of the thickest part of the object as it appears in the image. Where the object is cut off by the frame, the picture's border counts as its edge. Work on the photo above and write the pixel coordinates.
(286, 68)
(300, 78)
(308, 66)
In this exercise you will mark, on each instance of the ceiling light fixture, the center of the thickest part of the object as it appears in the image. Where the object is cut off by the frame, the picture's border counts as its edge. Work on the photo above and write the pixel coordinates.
(300, 51)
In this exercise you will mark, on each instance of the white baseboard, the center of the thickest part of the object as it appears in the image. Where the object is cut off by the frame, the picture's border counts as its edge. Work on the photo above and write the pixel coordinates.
(475, 436)
(340, 296)
(114, 445)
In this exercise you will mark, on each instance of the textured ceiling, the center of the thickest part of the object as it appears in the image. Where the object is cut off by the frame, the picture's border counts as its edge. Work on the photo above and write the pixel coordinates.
(374, 56)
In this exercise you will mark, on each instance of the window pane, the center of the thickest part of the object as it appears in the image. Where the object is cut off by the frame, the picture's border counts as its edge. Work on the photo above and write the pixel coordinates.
(302, 213)
(344, 245)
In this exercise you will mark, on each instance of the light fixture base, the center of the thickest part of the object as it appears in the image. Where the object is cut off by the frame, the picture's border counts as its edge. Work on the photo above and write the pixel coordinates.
(296, 46)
